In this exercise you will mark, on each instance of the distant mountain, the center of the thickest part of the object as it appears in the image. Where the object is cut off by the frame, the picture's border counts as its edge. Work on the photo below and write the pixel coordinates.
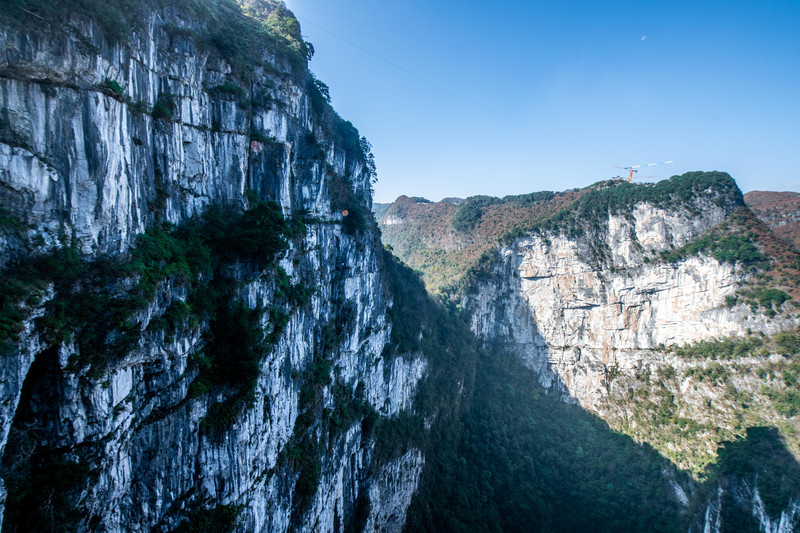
(452, 200)
(668, 310)
(779, 210)
(443, 239)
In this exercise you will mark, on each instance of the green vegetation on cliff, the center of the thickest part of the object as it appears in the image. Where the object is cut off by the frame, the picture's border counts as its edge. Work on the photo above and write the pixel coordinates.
(220, 519)
(99, 306)
(713, 391)
(733, 241)
(239, 31)
(621, 197)
(100, 309)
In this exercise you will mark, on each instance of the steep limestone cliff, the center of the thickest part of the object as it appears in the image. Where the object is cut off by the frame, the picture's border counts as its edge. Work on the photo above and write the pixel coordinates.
(600, 308)
(105, 136)
(574, 315)
(666, 310)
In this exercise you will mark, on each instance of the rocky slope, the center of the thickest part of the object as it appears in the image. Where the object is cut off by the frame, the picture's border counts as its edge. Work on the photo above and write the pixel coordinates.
(779, 210)
(128, 404)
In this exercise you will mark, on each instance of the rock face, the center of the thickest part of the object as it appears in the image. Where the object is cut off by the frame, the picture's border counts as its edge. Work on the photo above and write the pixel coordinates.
(745, 495)
(574, 317)
(83, 161)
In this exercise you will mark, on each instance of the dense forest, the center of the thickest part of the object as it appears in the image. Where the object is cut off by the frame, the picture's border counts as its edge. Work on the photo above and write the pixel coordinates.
(525, 460)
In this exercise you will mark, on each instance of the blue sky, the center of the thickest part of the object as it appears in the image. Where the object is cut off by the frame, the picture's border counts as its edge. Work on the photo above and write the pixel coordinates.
(512, 97)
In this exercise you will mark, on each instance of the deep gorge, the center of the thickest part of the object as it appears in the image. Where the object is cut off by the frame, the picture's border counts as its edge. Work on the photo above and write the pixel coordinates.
(203, 326)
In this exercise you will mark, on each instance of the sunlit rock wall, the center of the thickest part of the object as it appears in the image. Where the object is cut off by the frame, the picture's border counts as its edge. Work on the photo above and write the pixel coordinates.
(77, 162)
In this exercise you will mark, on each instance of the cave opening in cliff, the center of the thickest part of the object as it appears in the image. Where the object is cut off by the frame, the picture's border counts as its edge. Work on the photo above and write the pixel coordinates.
(42, 479)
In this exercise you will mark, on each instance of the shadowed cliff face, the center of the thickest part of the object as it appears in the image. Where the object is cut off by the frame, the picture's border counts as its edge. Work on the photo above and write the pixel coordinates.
(524, 461)
(30, 467)
(753, 486)
(192, 332)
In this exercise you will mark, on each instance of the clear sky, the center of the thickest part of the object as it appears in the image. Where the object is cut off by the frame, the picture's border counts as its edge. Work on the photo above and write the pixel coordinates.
(508, 97)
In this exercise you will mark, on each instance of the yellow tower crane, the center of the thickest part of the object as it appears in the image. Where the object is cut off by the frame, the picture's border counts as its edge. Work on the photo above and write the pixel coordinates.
(633, 169)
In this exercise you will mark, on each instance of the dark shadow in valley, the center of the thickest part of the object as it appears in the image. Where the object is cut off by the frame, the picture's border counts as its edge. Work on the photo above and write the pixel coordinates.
(524, 460)
(755, 473)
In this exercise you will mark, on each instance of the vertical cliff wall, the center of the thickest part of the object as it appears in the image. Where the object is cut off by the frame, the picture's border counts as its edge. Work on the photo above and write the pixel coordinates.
(643, 305)
(577, 306)
(104, 136)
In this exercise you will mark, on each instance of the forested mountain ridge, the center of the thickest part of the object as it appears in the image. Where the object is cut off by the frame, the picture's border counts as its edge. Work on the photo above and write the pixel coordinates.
(443, 239)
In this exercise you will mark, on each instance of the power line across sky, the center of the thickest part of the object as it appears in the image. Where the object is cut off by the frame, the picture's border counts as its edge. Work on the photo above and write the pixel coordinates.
(456, 94)
(466, 98)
